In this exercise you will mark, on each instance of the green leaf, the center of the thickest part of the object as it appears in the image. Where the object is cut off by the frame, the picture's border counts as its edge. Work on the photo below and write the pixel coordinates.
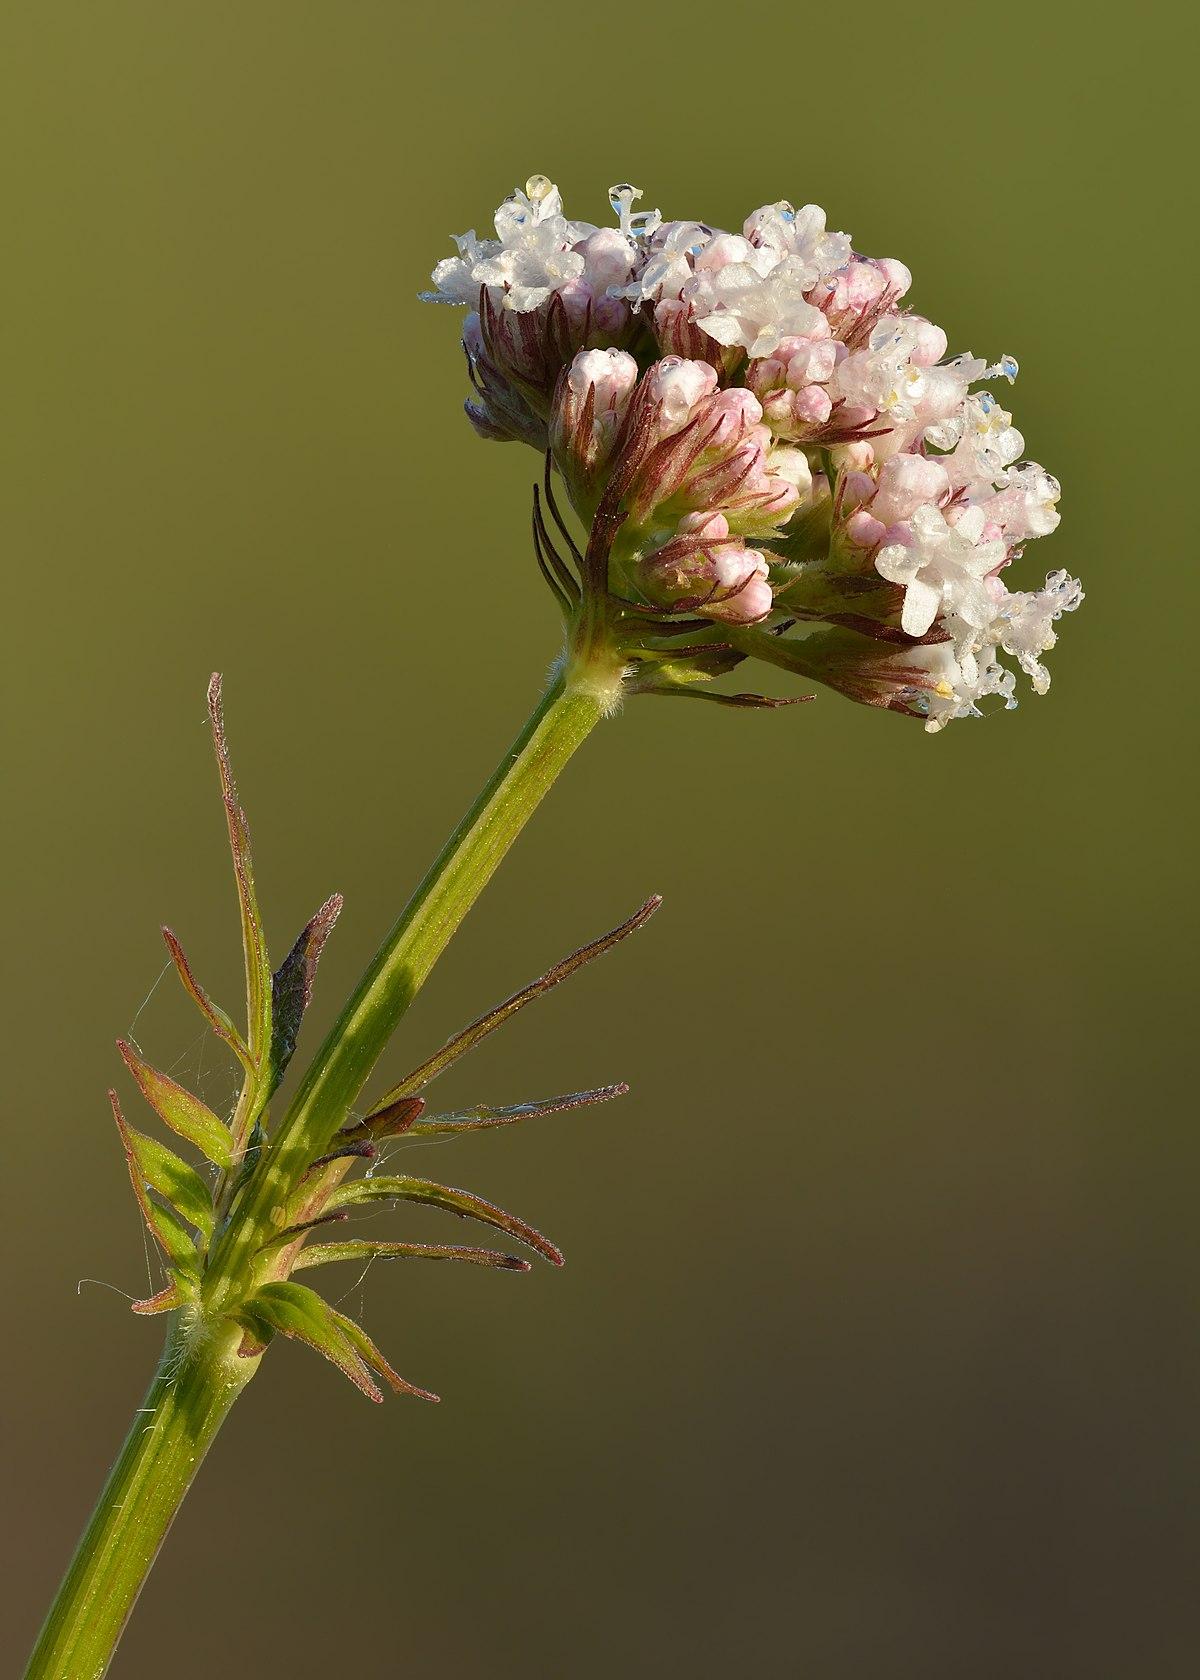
(179, 1184)
(740, 702)
(213, 1014)
(292, 1310)
(254, 940)
(487, 1024)
(167, 1299)
(478, 1118)
(366, 1350)
(183, 1112)
(167, 1229)
(324, 1254)
(445, 1196)
(392, 1120)
(292, 987)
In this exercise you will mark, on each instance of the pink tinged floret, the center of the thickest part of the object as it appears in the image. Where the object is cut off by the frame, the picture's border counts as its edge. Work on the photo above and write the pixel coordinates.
(678, 386)
(608, 258)
(611, 375)
(941, 566)
(905, 484)
(930, 345)
(898, 278)
(740, 591)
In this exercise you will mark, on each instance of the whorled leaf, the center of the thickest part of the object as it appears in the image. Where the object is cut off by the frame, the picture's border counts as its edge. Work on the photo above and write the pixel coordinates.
(216, 1017)
(167, 1229)
(166, 1300)
(364, 1190)
(484, 1115)
(254, 940)
(295, 1311)
(162, 1170)
(370, 1355)
(392, 1120)
(740, 702)
(292, 986)
(184, 1113)
(324, 1254)
(470, 1036)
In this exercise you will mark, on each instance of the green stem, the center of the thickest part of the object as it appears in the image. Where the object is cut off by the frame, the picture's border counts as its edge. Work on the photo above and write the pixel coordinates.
(561, 721)
(200, 1377)
(172, 1430)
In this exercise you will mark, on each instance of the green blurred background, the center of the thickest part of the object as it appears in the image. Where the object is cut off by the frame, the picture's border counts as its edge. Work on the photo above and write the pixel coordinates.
(876, 1354)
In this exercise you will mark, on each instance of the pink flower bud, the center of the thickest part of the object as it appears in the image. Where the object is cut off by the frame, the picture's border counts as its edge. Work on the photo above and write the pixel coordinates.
(678, 335)
(898, 278)
(726, 581)
(857, 488)
(516, 356)
(859, 285)
(590, 404)
(678, 386)
(714, 525)
(611, 376)
(741, 578)
(863, 530)
(812, 406)
(499, 411)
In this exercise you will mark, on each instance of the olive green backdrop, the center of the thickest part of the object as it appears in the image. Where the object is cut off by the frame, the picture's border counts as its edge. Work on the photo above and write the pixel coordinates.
(875, 1353)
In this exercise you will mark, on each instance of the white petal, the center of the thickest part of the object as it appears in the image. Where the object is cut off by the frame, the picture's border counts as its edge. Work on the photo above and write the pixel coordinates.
(921, 602)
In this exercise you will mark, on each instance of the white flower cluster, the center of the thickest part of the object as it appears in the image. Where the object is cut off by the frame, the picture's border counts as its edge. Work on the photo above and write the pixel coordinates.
(904, 495)
(536, 252)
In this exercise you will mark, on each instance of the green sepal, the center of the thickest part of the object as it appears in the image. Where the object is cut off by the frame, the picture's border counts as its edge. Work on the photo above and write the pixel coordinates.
(292, 986)
(462, 1202)
(324, 1254)
(167, 1229)
(184, 1113)
(162, 1170)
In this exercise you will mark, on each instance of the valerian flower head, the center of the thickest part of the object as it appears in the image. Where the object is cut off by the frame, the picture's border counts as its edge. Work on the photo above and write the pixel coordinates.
(769, 455)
